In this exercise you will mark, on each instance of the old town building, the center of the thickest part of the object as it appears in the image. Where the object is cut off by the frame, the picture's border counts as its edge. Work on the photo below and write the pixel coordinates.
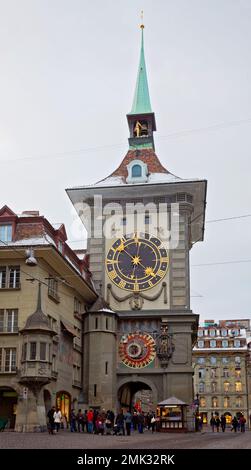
(43, 294)
(141, 336)
(221, 375)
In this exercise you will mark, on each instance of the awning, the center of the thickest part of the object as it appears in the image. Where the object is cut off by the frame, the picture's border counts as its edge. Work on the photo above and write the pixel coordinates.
(67, 328)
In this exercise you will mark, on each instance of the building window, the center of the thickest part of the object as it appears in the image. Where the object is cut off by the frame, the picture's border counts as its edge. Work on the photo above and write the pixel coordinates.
(200, 333)
(201, 373)
(106, 368)
(5, 233)
(12, 320)
(225, 372)
(33, 351)
(77, 305)
(213, 373)
(53, 289)
(201, 387)
(107, 323)
(42, 351)
(223, 332)
(96, 323)
(136, 171)
(226, 386)
(202, 402)
(225, 343)
(238, 386)
(213, 387)
(9, 321)
(213, 360)
(2, 277)
(200, 344)
(95, 390)
(10, 360)
(9, 277)
(225, 360)
(14, 277)
(201, 360)
(237, 373)
(213, 343)
(238, 402)
(215, 402)
(237, 360)
(226, 402)
(237, 343)
(211, 332)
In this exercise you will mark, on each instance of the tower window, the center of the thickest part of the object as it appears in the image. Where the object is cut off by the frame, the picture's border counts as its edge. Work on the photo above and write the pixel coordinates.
(106, 368)
(136, 171)
(95, 390)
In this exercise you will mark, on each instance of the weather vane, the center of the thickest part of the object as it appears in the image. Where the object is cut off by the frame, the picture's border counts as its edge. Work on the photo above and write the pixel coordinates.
(142, 19)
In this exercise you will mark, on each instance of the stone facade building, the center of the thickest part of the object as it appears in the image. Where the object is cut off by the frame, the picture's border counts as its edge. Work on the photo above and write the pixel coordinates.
(140, 334)
(41, 303)
(221, 375)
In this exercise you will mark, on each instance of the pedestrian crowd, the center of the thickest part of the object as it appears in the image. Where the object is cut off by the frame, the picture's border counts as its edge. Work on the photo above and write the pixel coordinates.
(94, 421)
(219, 422)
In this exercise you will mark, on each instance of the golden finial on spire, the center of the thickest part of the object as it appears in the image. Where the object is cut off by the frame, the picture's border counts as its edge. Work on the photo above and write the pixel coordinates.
(142, 20)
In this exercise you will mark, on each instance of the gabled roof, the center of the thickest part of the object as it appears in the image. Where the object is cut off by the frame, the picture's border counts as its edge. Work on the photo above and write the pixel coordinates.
(5, 211)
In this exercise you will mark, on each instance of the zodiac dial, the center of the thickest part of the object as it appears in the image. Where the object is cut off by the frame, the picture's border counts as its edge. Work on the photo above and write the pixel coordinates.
(137, 350)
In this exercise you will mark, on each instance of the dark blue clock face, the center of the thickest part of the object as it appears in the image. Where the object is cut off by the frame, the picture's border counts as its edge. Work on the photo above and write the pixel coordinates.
(137, 262)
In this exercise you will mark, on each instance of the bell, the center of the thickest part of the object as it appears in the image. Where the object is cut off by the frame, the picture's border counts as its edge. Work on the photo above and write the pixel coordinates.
(30, 258)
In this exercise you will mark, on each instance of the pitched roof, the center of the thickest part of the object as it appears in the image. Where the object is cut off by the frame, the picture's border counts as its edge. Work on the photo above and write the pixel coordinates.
(141, 101)
(172, 401)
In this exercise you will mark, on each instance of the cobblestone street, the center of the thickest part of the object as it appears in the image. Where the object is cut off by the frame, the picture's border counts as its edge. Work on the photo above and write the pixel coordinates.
(67, 440)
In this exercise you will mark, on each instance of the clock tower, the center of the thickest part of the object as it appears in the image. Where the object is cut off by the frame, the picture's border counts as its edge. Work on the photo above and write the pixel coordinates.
(142, 222)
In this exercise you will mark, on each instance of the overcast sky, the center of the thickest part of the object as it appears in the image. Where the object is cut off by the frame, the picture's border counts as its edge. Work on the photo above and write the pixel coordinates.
(68, 72)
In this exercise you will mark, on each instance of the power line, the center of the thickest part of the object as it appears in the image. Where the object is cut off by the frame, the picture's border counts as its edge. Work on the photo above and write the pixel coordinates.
(78, 152)
(223, 262)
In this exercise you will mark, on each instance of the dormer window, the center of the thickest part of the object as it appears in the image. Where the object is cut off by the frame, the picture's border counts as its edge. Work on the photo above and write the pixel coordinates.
(137, 172)
(5, 233)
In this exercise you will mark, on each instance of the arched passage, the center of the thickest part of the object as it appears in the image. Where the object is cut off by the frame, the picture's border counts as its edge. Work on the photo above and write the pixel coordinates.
(8, 405)
(137, 393)
(63, 402)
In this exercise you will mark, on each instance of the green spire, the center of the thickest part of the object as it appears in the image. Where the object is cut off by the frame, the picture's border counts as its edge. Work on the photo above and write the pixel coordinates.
(141, 101)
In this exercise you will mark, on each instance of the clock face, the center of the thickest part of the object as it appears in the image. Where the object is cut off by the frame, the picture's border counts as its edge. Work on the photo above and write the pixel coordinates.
(137, 350)
(137, 262)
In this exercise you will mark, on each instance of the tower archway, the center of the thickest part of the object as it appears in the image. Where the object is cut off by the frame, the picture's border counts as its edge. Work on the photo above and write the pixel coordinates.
(138, 394)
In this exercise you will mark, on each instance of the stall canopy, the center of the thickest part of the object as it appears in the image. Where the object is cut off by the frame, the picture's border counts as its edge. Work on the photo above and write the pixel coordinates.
(171, 402)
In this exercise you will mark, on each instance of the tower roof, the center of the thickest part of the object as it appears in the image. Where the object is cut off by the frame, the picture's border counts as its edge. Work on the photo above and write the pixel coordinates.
(141, 101)
(38, 320)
